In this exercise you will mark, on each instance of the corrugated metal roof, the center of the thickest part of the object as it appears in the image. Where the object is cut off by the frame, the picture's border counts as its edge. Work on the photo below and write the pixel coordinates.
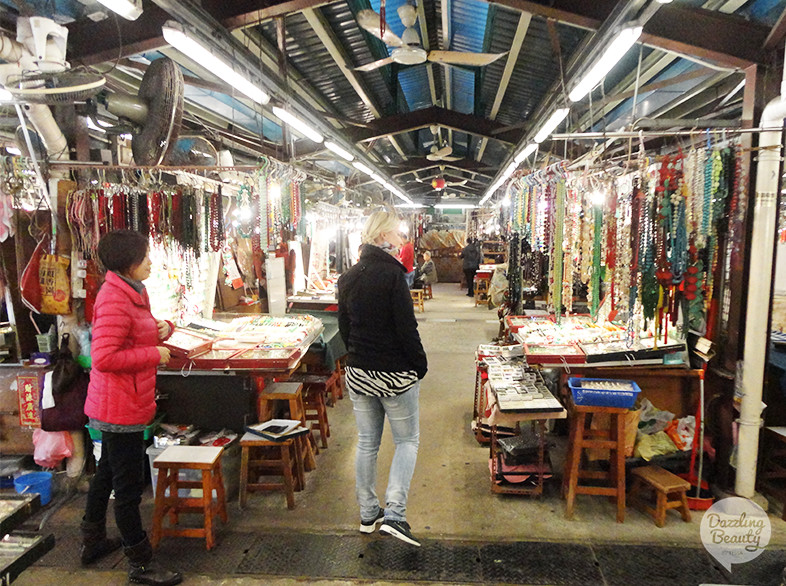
(468, 25)
(537, 68)
(414, 84)
(353, 41)
(308, 55)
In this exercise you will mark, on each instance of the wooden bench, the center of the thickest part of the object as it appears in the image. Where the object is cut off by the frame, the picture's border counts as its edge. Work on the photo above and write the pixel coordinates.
(664, 484)
(207, 459)
(417, 299)
(290, 393)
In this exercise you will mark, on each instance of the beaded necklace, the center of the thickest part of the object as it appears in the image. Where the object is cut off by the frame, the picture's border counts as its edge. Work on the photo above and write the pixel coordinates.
(559, 255)
(216, 221)
(245, 221)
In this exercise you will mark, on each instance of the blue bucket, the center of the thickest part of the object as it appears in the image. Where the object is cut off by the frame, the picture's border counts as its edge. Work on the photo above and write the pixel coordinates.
(40, 482)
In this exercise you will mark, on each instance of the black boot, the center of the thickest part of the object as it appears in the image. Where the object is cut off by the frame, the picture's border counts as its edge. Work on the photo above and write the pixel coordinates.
(95, 544)
(144, 571)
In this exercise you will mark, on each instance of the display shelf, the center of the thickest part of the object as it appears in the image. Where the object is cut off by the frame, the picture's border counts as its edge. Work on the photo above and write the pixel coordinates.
(19, 549)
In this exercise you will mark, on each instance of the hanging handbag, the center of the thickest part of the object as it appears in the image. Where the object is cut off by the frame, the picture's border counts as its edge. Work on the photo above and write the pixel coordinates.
(69, 390)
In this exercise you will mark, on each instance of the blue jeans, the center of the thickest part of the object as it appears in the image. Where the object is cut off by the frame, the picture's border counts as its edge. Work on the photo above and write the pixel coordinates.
(410, 276)
(403, 412)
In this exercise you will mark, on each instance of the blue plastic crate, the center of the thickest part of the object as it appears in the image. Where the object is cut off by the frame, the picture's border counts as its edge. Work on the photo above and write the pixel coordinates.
(603, 397)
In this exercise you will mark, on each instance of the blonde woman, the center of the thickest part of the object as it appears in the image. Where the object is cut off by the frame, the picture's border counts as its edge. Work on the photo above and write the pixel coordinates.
(385, 364)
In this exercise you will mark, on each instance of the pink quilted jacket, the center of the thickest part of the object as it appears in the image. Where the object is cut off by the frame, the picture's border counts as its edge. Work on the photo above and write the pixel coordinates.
(125, 335)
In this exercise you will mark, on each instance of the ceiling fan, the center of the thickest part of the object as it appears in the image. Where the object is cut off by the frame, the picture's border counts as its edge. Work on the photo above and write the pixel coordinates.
(442, 154)
(407, 48)
(439, 183)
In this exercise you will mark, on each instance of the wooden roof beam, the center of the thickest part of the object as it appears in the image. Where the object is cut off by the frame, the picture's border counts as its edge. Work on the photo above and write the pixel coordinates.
(409, 121)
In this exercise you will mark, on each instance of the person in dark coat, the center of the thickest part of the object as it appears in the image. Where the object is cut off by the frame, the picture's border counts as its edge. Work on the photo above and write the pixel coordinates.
(471, 264)
(385, 364)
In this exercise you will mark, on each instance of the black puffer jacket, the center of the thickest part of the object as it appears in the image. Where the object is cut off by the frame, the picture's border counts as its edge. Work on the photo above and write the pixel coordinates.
(375, 315)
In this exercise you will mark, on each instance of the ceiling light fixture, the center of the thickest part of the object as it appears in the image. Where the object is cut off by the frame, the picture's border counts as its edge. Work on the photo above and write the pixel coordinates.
(176, 35)
(12, 150)
(362, 168)
(341, 152)
(554, 120)
(297, 124)
(128, 9)
(455, 206)
(613, 53)
(528, 150)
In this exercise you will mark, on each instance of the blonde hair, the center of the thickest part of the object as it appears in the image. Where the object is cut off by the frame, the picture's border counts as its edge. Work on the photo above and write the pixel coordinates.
(377, 223)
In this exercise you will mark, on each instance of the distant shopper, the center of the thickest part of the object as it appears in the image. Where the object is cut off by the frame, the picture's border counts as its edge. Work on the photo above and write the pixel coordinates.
(471, 264)
(407, 258)
(120, 402)
(385, 363)
(427, 272)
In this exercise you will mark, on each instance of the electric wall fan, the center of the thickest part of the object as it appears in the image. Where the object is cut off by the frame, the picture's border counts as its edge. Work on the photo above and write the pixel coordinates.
(155, 113)
(407, 49)
(45, 76)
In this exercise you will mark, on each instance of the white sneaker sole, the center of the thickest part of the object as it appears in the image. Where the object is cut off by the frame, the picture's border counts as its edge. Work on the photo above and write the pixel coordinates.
(371, 528)
(387, 529)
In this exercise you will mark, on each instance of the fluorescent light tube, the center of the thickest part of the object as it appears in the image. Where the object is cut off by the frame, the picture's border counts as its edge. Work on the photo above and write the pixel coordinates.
(92, 126)
(128, 9)
(298, 124)
(510, 169)
(455, 206)
(12, 150)
(177, 37)
(528, 150)
(556, 118)
(362, 168)
(613, 53)
(378, 178)
(343, 153)
(5, 95)
(410, 205)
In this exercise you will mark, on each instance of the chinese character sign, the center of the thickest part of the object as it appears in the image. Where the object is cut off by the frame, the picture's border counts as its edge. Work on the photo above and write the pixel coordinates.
(29, 391)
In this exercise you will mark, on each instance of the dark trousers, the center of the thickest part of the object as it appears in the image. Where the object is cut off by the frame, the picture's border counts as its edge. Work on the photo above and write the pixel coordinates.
(122, 468)
(469, 274)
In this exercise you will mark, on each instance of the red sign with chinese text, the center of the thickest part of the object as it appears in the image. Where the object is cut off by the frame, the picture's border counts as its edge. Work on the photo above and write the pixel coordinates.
(29, 391)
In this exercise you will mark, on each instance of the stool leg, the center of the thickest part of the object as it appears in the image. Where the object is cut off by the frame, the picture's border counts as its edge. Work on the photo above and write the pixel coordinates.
(660, 509)
(243, 476)
(159, 510)
(300, 477)
(207, 505)
(173, 500)
(221, 497)
(568, 459)
(575, 458)
(325, 422)
(619, 466)
(684, 510)
(286, 451)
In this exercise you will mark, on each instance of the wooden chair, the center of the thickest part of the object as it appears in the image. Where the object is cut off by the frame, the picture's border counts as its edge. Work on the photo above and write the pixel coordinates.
(262, 457)
(581, 438)
(663, 483)
(417, 299)
(427, 293)
(207, 459)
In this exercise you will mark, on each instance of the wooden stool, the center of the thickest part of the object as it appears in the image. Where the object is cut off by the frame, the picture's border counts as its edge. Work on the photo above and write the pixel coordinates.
(417, 299)
(612, 439)
(663, 483)
(328, 384)
(169, 464)
(314, 403)
(291, 393)
(273, 459)
(481, 287)
(427, 294)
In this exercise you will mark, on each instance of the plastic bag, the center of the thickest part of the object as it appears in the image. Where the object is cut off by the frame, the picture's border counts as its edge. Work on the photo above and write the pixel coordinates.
(51, 447)
(652, 420)
(657, 444)
(681, 432)
(55, 285)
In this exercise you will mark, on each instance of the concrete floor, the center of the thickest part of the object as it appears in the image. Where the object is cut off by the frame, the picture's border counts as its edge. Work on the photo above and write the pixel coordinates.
(450, 497)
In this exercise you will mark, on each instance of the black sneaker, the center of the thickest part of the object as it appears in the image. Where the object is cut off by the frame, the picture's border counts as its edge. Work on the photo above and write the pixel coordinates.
(371, 526)
(399, 530)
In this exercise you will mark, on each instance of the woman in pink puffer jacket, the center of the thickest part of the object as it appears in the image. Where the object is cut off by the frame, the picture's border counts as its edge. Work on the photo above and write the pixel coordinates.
(126, 352)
